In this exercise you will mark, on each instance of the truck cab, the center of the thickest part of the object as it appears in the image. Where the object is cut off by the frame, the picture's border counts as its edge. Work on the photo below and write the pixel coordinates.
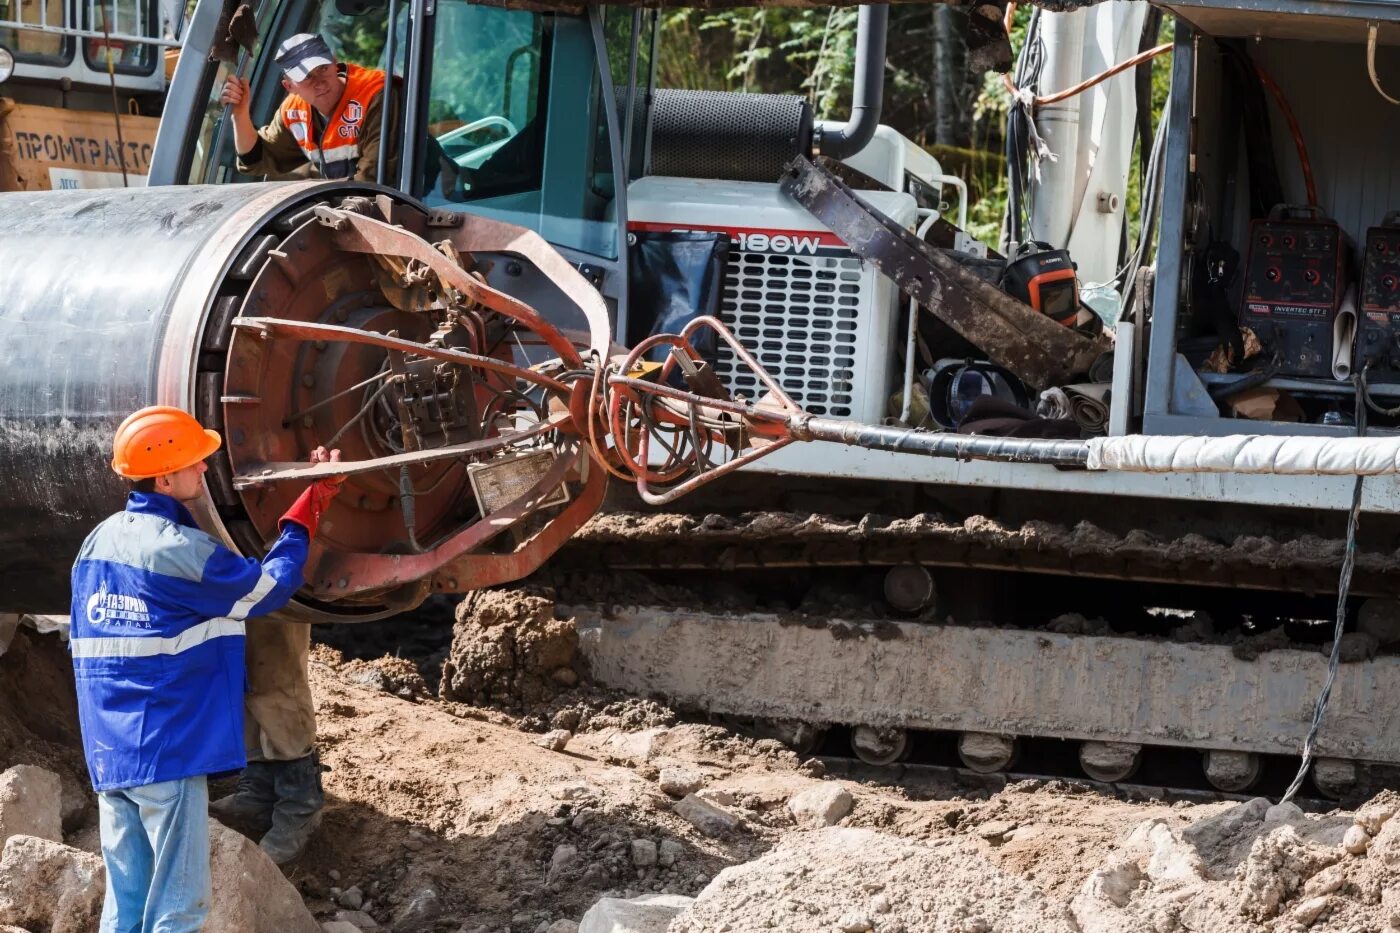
(70, 73)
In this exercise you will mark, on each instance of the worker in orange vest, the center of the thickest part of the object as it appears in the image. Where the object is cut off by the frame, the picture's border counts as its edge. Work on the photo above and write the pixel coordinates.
(327, 127)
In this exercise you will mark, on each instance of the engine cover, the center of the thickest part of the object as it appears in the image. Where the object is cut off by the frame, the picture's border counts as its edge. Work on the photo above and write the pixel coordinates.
(817, 318)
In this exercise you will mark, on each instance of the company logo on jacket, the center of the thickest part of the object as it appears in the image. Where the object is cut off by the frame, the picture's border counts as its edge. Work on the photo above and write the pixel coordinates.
(104, 607)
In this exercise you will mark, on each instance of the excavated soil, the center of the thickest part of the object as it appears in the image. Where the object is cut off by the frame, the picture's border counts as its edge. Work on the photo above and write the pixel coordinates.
(451, 816)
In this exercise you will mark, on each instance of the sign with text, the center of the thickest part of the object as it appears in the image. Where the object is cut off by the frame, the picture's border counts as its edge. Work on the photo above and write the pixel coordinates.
(45, 147)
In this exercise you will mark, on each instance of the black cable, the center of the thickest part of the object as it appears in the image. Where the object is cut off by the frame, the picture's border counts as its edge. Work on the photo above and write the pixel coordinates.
(1364, 390)
(1018, 134)
(1142, 79)
(1343, 592)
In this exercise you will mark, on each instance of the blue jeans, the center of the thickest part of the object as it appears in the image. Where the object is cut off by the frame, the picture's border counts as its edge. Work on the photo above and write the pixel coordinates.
(155, 843)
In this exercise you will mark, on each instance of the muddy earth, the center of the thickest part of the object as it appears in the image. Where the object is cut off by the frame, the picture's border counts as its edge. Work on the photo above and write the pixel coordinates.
(481, 784)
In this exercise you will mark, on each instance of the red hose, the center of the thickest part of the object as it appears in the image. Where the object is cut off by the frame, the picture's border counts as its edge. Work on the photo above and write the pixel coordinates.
(1287, 111)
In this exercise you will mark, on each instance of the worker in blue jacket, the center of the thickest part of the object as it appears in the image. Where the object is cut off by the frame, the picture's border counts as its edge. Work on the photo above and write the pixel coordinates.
(157, 640)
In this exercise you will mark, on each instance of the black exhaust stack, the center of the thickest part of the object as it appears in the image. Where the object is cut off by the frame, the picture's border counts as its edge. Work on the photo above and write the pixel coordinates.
(839, 140)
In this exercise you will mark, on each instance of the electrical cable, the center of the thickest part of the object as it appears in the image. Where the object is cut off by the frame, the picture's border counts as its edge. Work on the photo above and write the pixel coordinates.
(1102, 76)
(1371, 35)
(1082, 86)
(1371, 403)
(1019, 129)
(1142, 81)
(1343, 591)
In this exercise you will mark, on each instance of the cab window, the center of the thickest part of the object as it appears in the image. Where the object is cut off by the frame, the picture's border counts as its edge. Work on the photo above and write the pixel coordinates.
(356, 32)
(29, 45)
(513, 112)
(121, 18)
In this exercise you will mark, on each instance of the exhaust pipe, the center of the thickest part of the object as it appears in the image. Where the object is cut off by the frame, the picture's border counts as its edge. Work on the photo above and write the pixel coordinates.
(840, 140)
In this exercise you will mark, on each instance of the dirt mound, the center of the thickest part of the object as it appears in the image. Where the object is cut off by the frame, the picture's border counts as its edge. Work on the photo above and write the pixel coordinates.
(589, 709)
(398, 676)
(860, 880)
(509, 651)
(1249, 869)
(441, 818)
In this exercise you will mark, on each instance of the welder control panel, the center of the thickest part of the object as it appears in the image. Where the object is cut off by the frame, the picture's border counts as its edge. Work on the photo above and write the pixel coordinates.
(1294, 279)
(1378, 327)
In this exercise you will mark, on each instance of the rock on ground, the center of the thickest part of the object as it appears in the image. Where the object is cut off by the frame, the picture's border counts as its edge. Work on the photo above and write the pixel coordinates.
(680, 782)
(357, 919)
(556, 740)
(31, 803)
(1249, 869)
(251, 895)
(648, 914)
(45, 885)
(707, 817)
(844, 878)
(419, 911)
(643, 853)
(668, 852)
(820, 805)
(39, 718)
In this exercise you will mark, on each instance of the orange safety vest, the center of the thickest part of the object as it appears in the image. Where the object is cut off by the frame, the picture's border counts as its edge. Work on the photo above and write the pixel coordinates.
(338, 149)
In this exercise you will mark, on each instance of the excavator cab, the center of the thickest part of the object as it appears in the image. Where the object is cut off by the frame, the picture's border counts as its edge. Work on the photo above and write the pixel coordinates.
(505, 113)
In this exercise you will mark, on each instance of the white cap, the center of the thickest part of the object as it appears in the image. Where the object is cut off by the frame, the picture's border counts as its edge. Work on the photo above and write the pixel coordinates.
(302, 53)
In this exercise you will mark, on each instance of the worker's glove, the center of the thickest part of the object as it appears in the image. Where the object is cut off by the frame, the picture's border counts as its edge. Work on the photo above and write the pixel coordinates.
(312, 503)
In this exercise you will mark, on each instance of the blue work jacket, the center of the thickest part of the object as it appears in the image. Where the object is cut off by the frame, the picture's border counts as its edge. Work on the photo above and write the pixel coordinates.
(157, 641)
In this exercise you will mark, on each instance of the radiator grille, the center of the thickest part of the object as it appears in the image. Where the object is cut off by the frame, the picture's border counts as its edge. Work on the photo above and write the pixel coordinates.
(800, 317)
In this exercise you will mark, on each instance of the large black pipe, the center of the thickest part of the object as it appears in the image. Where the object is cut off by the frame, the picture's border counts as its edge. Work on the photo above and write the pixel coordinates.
(107, 304)
(840, 140)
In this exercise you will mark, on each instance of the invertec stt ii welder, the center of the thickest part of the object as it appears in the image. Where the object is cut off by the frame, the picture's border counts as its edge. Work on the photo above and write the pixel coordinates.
(1378, 329)
(1295, 279)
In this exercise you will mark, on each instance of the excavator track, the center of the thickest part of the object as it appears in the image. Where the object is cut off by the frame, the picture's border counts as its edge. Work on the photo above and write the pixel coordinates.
(1004, 699)
(1186, 654)
(780, 539)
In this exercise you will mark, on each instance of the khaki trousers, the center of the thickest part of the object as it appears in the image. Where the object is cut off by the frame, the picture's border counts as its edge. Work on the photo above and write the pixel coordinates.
(280, 724)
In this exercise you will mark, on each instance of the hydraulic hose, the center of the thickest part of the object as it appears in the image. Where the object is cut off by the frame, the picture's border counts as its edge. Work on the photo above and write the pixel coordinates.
(1136, 453)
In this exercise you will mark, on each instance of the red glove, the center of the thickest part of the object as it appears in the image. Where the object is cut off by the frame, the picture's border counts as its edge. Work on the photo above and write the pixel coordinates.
(310, 505)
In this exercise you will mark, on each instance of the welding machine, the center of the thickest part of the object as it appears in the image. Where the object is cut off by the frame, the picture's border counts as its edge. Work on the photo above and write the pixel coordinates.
(1378, 326)
(1294, 281)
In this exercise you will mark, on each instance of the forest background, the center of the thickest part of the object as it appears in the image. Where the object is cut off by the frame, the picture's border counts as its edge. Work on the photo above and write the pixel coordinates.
(930, 95)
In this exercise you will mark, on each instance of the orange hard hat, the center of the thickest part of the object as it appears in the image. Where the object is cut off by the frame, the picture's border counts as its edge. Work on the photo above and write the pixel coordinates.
(159, 440)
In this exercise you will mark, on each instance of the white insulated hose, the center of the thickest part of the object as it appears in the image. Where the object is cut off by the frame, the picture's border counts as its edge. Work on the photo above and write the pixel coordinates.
(1247, 453)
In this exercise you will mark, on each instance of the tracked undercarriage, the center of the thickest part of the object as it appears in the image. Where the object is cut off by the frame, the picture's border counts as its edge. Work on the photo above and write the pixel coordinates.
(1186, 651)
